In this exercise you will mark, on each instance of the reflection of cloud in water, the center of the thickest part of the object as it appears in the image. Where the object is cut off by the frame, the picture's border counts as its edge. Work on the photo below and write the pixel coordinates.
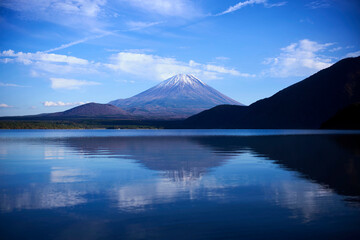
(135, 197)
(141, 196)
(46, 197)
(54, 152)
(303, 198)
(65, 175)
(58, 190)
(3, 152)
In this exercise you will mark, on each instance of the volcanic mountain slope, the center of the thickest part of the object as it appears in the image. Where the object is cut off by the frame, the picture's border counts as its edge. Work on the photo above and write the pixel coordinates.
(177, 97)
(306, 104)
(91, 110)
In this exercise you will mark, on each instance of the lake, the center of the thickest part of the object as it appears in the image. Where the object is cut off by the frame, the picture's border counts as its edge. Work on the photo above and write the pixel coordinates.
(179, 184)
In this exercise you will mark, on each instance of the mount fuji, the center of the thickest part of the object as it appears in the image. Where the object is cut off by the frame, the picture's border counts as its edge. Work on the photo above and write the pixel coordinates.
(177, 97)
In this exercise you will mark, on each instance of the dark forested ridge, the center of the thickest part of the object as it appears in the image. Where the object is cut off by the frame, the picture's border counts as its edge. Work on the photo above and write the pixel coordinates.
(346, 118)
(306, 104)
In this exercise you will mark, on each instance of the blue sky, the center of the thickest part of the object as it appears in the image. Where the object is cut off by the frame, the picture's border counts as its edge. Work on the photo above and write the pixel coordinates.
(56, 54)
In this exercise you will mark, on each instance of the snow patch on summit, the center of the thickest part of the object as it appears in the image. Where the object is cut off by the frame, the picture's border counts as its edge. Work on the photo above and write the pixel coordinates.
(182, 80)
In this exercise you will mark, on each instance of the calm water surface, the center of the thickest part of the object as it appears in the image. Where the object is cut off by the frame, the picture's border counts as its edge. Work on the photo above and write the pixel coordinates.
(188, 184)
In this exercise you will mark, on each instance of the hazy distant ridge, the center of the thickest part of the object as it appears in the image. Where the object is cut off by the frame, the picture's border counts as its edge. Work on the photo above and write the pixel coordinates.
(93, 110)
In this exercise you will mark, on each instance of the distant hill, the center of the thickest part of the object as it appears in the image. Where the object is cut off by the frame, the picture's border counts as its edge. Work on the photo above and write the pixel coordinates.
(346, 118)
(306, 104)
(91, 110)
(177, 97)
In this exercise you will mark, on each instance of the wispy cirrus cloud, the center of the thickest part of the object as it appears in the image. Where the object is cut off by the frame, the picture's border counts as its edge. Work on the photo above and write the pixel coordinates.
(319, 4)
(160, 68)
(299, 59)
(250, 3)
(277, 4)
(61, 104)
(70, 84)
(2, 84)
(89, 8)
(137, 25)
(335, 49)
(63, 46)
(77, 14)
(168, 8)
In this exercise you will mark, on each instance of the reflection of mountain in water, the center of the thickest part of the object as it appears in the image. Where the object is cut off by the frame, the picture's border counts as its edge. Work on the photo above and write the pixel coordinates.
(332, 160)
(179, 158)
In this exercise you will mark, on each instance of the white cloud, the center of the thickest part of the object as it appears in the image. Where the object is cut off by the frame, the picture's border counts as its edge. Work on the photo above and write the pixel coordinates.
(42, 62)
(28, 58)
(63, 83)
(249, 3)
(299, 59)
(136, 61)
(353, 54)
(161, 68)
(177, 8)
(6, 60)
(3, 105)
(10, 85)
(61, 104)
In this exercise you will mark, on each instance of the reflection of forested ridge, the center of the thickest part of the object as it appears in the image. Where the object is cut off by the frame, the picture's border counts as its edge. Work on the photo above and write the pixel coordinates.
(332, 160)
(179, 158)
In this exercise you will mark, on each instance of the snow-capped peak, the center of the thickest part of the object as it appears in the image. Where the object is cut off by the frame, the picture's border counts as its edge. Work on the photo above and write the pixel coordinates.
(181, 95)
(182, 80)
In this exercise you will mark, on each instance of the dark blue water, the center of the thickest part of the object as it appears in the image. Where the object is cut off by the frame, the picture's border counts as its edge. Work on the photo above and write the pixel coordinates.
(195, 184)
